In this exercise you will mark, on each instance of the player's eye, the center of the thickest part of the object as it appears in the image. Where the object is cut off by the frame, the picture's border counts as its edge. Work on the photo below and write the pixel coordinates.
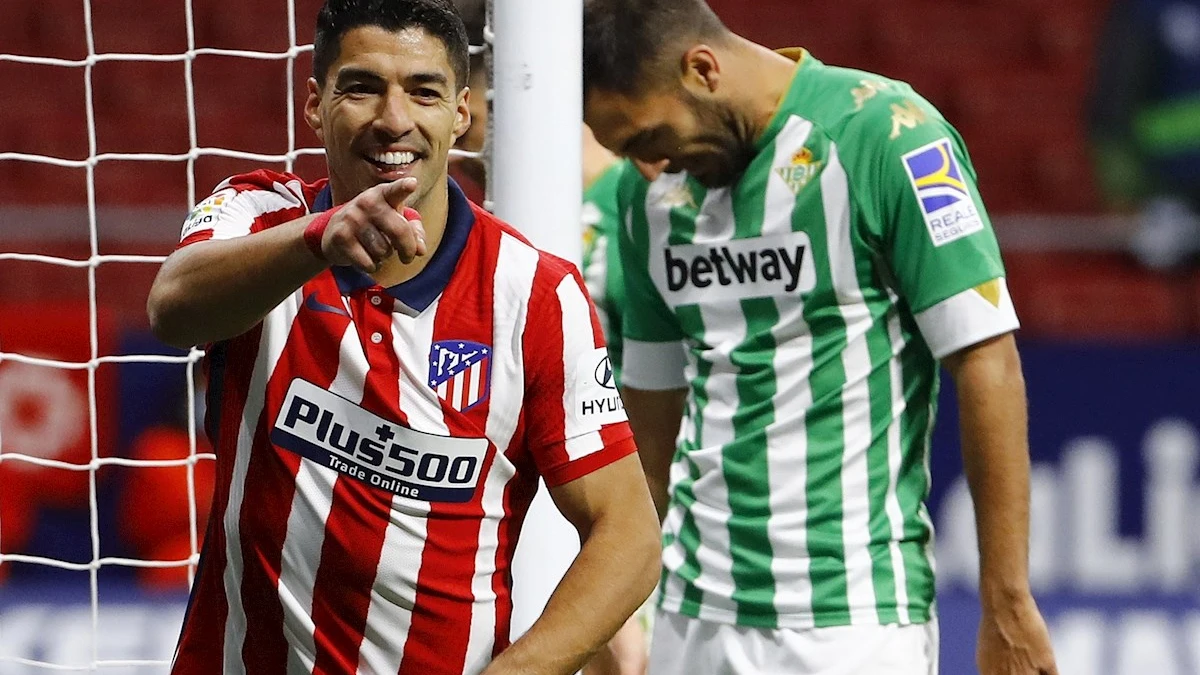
(357, 89)
(427, 94)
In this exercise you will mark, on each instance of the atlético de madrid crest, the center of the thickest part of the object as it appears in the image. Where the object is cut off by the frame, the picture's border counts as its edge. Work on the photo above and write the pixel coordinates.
(460, 372)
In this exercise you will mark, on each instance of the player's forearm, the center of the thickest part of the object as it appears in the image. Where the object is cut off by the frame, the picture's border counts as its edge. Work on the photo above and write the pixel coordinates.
(992, 409)
(613, 575)
(654, 417)
(219, 289)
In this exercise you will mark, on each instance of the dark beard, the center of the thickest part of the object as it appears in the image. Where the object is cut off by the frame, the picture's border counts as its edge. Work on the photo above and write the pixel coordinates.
(734, 146)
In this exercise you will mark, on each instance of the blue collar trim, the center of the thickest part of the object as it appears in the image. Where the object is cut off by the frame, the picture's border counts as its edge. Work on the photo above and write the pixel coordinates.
(419, 292)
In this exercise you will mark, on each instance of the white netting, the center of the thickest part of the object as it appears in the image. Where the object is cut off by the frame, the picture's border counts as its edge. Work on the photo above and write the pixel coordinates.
(97, 655)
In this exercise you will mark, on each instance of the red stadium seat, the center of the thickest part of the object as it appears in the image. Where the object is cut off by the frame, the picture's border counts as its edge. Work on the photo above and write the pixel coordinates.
(1097, 296)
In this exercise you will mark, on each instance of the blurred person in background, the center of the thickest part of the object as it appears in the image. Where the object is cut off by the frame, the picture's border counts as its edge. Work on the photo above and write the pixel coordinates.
(154, 507)
(1145, 124)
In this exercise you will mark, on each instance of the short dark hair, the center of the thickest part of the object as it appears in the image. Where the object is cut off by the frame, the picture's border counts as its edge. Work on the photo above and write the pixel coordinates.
(439, 18)
(626, 41)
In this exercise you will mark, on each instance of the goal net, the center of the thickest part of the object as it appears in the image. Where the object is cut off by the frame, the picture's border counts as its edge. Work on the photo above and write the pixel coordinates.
(129, 112)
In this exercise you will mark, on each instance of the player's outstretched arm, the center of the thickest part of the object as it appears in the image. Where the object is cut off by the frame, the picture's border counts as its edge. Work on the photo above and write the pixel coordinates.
(216, 290)
(615, 571)
(655, 417)
(1013, 639)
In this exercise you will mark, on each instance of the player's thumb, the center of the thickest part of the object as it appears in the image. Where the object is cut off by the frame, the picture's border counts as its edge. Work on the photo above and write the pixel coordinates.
(397, 191)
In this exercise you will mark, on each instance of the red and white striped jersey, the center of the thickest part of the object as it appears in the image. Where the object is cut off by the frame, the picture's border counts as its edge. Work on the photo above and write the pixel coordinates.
(377, 448)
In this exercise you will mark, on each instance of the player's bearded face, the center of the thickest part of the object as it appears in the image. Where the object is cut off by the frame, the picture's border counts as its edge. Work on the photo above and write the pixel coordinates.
(390, 108)
(702, 137)
(718, 149)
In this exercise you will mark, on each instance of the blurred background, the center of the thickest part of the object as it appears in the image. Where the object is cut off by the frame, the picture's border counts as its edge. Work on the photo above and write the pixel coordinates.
(1082, 118)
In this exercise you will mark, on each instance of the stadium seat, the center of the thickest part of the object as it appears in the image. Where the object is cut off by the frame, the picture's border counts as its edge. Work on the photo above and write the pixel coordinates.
(1097, 296)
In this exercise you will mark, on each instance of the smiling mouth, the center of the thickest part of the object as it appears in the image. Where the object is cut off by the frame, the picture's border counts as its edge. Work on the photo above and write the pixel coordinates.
(393, 161)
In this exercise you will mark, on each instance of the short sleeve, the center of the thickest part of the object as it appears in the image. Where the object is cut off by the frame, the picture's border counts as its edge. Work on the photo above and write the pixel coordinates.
(575, 420)
(653, 352)
(243, 204)
(916, 180)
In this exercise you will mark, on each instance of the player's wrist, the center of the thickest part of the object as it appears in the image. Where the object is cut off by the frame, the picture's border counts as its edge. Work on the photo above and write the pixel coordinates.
(314, 234)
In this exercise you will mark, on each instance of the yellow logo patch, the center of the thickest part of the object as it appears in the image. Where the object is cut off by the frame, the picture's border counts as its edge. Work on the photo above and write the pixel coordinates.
(800, 170)
(990, 290)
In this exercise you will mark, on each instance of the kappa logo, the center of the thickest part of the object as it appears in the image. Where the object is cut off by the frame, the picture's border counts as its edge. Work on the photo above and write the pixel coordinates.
(949, 209)
(460, 372)
(678, 195)
(800, 171)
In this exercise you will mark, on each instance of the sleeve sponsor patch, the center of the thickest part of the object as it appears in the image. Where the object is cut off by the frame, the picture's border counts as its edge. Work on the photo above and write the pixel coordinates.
(596, 399)
(205, 214)
(946, 203)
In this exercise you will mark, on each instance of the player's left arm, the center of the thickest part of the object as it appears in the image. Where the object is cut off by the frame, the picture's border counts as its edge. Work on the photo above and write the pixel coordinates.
(991, 400)
(584, 450)
(615, 571)
(918, 189)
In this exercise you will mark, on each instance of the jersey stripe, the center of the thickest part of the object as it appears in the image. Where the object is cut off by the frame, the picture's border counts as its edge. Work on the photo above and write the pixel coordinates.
(856, 395)
(786, 441)
(516, 277)
(578, 328)
(723, 329)
(393, 595)
(895, 455)
(471, 622)
(301, 553)
(357, 524)
(203, 645)
(270, 486)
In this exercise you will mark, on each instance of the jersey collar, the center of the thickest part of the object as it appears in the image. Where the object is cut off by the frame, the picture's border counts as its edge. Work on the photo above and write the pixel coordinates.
(419, 292)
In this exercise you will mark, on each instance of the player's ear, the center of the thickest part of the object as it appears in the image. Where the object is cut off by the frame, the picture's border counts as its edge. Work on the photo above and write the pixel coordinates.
(312, 108)
(462, 113)
(701, 68)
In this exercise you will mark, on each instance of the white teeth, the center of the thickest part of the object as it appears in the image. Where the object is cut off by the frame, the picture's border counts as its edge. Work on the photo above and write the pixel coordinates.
(394, 158)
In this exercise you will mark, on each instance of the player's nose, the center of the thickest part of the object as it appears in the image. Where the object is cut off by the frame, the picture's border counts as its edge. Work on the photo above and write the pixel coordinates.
(395, 114)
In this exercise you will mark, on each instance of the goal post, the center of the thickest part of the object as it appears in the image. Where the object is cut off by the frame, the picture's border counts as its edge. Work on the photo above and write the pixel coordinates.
(536, 185)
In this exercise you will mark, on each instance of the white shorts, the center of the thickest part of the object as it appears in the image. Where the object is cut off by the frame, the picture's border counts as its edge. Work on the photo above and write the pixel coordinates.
(685, 646)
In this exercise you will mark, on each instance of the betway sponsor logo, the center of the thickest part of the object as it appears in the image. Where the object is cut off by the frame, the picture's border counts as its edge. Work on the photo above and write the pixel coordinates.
(733, 270)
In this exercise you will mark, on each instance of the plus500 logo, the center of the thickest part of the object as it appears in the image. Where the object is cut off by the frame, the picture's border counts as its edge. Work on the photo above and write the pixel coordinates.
(332, 431)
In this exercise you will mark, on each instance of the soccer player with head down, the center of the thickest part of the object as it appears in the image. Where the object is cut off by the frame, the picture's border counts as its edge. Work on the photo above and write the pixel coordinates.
(390, 370)
(819, 248)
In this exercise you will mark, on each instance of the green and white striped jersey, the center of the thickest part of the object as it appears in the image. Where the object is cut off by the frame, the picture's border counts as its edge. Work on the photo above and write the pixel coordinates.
(813, 298)
(601, 265)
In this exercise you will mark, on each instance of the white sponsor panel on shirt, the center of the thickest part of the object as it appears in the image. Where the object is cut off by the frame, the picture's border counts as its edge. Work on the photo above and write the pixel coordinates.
(337, 433)
(946, 203)
(597, 401)
(757, 267)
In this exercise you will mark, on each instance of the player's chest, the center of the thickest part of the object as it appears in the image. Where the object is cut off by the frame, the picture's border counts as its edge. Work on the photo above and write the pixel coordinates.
(412, 405)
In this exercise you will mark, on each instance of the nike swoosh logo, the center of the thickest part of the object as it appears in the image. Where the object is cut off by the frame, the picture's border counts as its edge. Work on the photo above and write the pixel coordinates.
(312, 303)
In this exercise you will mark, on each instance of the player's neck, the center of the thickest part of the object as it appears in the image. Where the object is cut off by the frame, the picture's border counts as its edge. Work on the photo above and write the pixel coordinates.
(435, 210)
(763, 77)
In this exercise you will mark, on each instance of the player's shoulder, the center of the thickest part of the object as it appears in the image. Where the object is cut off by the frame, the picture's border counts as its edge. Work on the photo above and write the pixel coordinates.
(273, 181)
(549, 269)
(856, 106)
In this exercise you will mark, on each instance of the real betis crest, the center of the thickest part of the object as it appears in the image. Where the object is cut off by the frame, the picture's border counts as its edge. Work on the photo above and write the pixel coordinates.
(800, 170)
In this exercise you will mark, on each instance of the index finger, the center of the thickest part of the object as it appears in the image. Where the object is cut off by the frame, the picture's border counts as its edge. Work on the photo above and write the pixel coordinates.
(397, 191)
